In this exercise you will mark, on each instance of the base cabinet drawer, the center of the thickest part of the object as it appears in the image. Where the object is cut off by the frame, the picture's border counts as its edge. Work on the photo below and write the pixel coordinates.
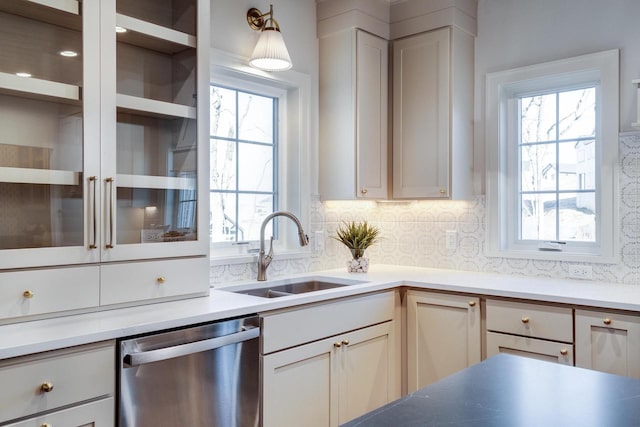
(153, 280)
(44, 382)
(529, 347)
(94, 414)
(530, 320)
(40, 292)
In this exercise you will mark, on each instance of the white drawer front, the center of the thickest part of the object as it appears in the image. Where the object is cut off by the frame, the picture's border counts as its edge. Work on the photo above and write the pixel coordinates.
(73, 375)
(530, 320)
(36, 292)
(94, 414)
(529, 347)
(295, 327)
(149, 280)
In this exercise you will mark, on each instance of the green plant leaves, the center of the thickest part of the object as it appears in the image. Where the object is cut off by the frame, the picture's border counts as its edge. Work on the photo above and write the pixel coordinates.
(357, 236)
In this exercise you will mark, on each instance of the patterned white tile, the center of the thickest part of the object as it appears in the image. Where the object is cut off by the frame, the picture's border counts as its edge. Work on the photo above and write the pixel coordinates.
(414, 234)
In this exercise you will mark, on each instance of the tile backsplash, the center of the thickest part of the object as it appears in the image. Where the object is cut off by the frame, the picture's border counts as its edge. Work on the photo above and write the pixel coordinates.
(414, 233)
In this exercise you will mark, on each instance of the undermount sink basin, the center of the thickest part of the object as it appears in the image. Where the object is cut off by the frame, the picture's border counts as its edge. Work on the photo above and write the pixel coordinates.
(288, 288)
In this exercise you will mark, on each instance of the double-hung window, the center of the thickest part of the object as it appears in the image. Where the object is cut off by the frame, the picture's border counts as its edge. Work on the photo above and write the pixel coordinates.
(552, 138)
(243, 158)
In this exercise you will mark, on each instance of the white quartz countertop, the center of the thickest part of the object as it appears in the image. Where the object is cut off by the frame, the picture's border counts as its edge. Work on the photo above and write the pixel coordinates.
(43, 335)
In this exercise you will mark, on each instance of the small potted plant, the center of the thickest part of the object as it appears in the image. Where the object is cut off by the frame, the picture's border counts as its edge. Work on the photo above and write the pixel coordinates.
(357, 236)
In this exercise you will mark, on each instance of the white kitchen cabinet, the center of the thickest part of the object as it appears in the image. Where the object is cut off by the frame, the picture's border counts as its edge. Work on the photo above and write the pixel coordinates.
(433, 115)
(104, 140)
(608, 342)
(313, 376)
(344, 376)
(537, 331)
(443, 336)
(353, 116)
(79, 381)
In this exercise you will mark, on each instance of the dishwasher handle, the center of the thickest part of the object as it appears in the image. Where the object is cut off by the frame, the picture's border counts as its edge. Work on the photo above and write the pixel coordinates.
(141, 358)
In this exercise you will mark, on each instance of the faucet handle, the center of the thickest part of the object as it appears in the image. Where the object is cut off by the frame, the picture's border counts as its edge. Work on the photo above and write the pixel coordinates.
(269, 256)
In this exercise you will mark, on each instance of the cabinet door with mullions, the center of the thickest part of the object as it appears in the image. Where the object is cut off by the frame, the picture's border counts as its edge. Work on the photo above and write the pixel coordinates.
(152, 154)
(47, 169)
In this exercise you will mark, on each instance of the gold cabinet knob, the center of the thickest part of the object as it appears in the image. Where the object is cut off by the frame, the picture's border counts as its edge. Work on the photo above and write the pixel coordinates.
(337, 344)
(564, 352)
(606, 321)
(46, 387)
(525, 319)
(45, 425)
(364, 191)
(345, 342)
(472, 303)
(161, 280)
(28, 294)
(443, 192)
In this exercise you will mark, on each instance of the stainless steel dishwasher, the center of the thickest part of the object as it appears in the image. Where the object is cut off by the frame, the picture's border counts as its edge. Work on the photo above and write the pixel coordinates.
(206, 375)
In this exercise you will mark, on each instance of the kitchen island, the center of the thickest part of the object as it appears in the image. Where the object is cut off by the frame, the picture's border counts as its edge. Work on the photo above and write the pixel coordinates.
(507, 390)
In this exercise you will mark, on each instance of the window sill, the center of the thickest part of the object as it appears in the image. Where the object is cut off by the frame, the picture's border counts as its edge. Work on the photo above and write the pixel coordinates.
(554, 256)
(245, 258)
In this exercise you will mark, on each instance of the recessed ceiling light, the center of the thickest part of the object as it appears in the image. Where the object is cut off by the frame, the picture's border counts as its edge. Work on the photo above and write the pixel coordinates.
(68, 53)
(23, 74)
(120, 29)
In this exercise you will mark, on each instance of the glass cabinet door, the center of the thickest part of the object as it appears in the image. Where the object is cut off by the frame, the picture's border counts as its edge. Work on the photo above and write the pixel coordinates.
(154, 193)
(43, 179)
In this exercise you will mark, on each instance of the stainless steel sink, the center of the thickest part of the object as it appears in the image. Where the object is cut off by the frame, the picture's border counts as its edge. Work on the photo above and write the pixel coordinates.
(288, 288)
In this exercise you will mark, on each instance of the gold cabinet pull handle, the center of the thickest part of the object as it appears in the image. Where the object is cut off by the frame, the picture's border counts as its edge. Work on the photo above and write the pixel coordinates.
(161, 280)
(345, 342)
(525, 319)
(45, 425)
(337, 344)
(564, 352)
(28, 294)
(110, 181)
(46, 387)
(443, 192)
(607, 321)
(94, 218)
(364, 191)
(472, 303)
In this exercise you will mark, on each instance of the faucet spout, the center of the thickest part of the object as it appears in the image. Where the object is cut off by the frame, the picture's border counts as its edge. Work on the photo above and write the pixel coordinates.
(265, 259)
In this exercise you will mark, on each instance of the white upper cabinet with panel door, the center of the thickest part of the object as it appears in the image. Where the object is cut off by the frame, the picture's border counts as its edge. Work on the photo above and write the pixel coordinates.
(433, 115)
(103, 143)
(353, 116)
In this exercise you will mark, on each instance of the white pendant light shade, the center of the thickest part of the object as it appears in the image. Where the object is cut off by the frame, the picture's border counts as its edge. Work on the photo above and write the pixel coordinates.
(270, 53)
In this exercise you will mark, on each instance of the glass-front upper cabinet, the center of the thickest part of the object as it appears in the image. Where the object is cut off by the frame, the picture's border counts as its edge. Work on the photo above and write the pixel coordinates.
(47, 176)
(151, 172)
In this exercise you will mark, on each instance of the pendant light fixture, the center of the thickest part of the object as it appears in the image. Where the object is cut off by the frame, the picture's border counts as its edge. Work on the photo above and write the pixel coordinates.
(270, 53)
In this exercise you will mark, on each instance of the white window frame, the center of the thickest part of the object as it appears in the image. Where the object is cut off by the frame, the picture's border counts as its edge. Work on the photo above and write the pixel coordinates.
(293, 90)
(266, 91)
(502, 92)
